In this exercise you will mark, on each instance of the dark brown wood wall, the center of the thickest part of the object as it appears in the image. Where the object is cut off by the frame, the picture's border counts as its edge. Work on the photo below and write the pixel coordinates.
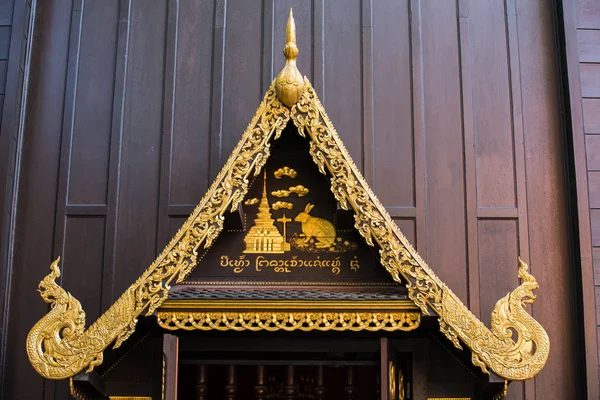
(449, 108)
(14, 35)
(6, 17)
(587, 108)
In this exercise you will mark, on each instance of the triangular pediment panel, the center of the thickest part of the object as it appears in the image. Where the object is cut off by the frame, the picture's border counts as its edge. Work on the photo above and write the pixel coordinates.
(515, 346)
(290, 230)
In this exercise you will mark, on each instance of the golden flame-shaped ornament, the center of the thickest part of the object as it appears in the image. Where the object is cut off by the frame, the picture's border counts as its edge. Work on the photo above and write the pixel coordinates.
(289, 84)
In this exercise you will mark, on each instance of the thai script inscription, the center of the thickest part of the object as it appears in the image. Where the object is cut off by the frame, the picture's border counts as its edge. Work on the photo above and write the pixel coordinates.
(261, 264)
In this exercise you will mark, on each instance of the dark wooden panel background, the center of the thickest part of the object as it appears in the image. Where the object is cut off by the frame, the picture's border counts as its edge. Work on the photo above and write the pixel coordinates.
(450, 108)
(587, 25)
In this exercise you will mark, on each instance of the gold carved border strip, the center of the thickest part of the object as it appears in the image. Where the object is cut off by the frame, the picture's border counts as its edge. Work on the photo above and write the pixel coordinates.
(289, 321)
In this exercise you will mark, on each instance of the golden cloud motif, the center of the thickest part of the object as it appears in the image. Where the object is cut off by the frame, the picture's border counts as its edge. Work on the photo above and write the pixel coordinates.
(300, 190)
(281, 193)
(252, 201)
(282, 204)
(285, 171)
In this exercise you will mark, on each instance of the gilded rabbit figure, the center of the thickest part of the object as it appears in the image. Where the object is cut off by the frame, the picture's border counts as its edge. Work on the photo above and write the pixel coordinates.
(319, 228)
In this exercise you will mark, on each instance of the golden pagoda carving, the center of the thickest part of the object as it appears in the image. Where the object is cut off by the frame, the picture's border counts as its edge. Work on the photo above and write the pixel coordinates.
(264, 237)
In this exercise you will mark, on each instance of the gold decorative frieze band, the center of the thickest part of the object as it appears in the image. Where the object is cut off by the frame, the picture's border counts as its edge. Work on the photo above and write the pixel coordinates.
(449, 398)
(129, 398)
(289, 321)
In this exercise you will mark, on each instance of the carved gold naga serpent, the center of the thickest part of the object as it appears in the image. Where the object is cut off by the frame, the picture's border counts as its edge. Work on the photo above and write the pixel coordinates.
(59, 346)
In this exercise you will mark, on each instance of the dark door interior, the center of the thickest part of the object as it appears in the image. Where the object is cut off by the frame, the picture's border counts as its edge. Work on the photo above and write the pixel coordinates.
(287, 369)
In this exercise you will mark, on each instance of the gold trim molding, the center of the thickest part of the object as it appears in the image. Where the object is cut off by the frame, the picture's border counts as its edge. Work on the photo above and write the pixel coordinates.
(515, 347)
(289, 305)
(129, 398)
(289, 321)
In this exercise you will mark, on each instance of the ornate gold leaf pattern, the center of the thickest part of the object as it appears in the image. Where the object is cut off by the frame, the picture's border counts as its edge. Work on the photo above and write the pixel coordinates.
(495, 349)
(290, 321)
(58, 345)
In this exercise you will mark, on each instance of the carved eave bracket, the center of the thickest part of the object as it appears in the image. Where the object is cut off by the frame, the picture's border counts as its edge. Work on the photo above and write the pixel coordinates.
(515, 347)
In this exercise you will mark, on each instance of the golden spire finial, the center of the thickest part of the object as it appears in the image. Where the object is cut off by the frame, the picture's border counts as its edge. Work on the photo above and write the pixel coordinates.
(289, 83)
(291, 47)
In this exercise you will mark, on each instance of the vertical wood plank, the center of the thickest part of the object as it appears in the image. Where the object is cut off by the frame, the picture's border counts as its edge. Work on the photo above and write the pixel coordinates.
(368, 88)
(189, 158)
(56, 389)
(84, 166)
(471, 187)
(592, 145)
(591, 116)
(418, 118)
(589, 44)
(140, 153)
(545, 180)
(40, 159)
(343, 56)
(242, 68)
(17, 15)
(408, 228)
(497, 256)
(388, 93)
(491, 105)
(92, 104)
(318, 51)
(519, 390)
(84, 246)
(67, 125)
(590, 79)
(116, 139)
(584, 266)
(516, 113)
(588, 14)
(170, 366)
(445, 202)
(270, 52)
(384, 356)
(165, 185)
(217, 88)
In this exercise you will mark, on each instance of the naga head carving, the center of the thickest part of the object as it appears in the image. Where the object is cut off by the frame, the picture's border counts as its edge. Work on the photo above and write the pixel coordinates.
(528, 285)
(48, 288)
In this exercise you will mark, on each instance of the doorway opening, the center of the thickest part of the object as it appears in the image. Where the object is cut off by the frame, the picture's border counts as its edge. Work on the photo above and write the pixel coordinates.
(293, 368)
